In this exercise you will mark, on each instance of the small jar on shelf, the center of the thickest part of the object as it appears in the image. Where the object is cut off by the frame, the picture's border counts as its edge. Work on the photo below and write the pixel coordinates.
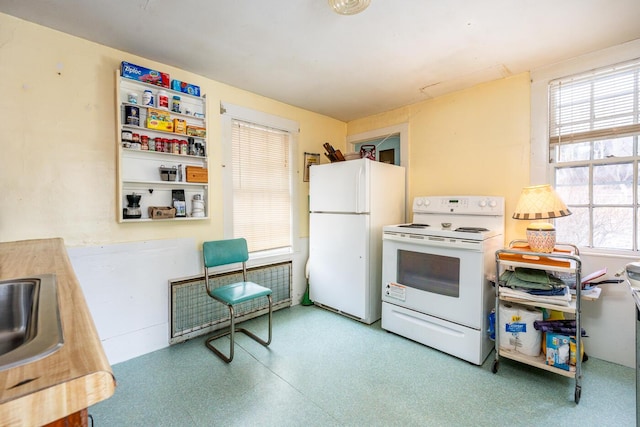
(135, 141)
(175, 104)
(126, 138)
(132, 98)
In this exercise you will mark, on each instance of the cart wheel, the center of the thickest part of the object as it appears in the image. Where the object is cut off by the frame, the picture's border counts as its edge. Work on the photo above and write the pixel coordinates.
(495, 366)
(577, 394)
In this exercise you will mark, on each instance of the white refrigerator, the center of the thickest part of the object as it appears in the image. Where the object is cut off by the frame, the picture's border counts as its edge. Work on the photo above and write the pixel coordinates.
(349, 203)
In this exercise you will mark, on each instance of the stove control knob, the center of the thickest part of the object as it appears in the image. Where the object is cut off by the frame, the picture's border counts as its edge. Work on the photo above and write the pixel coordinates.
(483, 203)
(427, 202)
(419, 202)
(493, 203)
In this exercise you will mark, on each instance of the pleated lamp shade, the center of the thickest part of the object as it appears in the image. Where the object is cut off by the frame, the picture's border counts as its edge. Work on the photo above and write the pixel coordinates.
(538, 203)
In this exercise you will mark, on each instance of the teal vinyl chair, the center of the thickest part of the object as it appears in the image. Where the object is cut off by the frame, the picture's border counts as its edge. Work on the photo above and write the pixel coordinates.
(232, 251)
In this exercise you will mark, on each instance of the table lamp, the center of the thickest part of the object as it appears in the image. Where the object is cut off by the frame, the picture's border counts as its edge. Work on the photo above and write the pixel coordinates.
(538, 203)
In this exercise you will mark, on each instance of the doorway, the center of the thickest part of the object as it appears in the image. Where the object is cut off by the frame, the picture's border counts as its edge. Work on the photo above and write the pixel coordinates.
(394, 138)
(387, 149)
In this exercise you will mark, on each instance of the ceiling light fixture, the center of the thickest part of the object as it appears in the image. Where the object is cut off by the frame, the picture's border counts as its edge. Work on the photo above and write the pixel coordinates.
(349, 7)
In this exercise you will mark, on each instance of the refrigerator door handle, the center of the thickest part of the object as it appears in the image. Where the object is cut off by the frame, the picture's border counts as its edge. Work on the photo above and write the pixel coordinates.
(361, 192)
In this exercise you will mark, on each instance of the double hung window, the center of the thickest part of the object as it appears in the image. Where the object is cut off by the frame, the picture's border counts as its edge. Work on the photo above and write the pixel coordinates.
(259, 180)
(594, 152)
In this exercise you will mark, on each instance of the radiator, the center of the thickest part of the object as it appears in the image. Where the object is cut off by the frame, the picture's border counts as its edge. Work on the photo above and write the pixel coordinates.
(193, 313)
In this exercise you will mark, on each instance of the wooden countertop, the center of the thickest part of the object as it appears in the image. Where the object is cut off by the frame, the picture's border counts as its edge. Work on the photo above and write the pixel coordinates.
(76, 376)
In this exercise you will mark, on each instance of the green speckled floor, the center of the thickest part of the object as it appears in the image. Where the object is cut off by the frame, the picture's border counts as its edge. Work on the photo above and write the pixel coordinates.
(323, 369)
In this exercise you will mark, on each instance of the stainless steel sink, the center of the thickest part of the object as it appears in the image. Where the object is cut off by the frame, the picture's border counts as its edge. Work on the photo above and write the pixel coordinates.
(30, 327)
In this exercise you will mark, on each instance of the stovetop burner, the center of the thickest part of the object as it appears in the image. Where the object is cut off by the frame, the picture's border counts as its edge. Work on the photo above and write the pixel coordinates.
(420, 228)
(471, 229)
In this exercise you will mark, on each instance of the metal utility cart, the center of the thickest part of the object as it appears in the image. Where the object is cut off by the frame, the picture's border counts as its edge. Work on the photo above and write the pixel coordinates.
(564, 259)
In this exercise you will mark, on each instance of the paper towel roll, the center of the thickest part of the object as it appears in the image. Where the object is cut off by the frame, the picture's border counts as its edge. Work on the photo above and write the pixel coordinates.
(529, 341)
(508, 314)
(517, 331)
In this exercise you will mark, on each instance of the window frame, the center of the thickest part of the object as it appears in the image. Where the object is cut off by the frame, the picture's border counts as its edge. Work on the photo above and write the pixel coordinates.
(229, 113)
(541, 170)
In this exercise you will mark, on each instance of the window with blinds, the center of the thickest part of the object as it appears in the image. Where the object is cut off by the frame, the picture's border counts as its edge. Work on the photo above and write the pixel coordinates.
(261, 169)
(594, 123)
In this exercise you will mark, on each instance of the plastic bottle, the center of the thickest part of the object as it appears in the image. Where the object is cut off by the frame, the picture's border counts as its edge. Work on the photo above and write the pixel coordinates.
(147, 98)
(175, 104)
(163, 100)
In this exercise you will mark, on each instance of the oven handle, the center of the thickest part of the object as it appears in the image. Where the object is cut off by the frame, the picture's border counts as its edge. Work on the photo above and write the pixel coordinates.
(443, 242)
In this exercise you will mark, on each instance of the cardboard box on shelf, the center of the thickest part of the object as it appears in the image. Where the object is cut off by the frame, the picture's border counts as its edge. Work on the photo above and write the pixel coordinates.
(180, 126)
(197, 174)
(197, 131)
(185, 87)
(159, 120)
(161, 212)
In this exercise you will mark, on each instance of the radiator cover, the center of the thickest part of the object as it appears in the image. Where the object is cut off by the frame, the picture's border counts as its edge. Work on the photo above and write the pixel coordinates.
(193, 313)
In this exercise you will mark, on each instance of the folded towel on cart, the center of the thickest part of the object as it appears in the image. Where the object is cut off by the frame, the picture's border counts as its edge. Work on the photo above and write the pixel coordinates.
(563, 299)
(550, 292)
(528, 278)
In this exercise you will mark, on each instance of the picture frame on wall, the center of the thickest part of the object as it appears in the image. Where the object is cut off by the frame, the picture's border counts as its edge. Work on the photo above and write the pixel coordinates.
(309, 160)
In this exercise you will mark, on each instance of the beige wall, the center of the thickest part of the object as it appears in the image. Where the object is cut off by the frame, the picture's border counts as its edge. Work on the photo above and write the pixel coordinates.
(59, 135)
(474, 141)
(58, 140)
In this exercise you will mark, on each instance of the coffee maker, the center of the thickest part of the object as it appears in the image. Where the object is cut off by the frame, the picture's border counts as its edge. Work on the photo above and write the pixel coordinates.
(132, 211)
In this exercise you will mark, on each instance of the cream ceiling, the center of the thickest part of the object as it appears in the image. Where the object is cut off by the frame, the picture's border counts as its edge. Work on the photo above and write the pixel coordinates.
(300, 52)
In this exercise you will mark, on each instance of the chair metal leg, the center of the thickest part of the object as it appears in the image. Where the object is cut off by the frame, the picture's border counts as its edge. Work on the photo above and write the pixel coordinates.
(252, 335)
(232, 330)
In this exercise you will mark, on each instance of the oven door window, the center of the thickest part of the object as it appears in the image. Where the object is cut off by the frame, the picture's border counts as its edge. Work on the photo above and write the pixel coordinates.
(428, 272)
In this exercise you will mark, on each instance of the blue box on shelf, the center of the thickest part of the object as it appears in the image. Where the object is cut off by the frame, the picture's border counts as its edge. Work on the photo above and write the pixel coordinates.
(187, 88)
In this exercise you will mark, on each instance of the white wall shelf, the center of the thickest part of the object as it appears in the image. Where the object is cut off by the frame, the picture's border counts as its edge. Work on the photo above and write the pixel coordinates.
(139, 170)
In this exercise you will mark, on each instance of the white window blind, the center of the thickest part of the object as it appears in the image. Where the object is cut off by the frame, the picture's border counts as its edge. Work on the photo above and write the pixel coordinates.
(594, 124)
(261, 168)
(597, 105)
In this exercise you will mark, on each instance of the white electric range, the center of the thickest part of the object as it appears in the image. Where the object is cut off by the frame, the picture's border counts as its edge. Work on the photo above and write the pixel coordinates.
(434, 273)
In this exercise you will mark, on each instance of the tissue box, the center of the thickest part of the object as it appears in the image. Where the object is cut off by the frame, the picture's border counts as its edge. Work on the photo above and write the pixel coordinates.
(143, 74)
(161, 212)
(559, 351)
